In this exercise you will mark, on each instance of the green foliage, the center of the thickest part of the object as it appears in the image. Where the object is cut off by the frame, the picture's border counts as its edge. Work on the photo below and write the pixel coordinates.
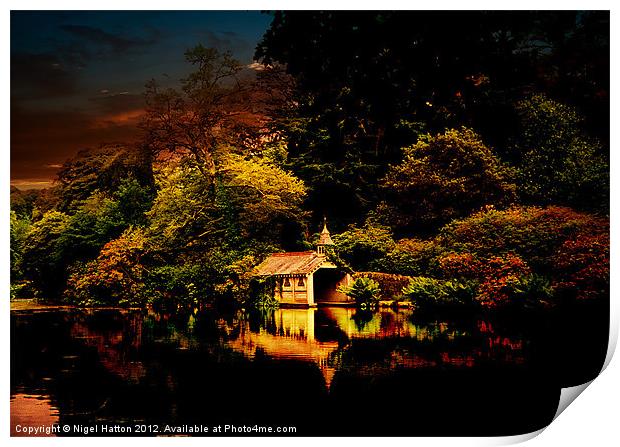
(44, 253)
(183, 211)
(431, 294)
(133, 201)
(532, 291)
(263, 195)
(445, 176)
(360, 247)
(260, 294)
(365, 291)
(104, 169)
(96, 222)
(252, 201)
(69, 242)
(390, 285)
(177, 285)
(23, 202)
(235, 281)
(275, 152)
(19, 230)
(413, 257)
(557, 162)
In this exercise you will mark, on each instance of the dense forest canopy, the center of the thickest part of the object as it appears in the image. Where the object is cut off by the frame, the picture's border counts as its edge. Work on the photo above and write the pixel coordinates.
(418, 134)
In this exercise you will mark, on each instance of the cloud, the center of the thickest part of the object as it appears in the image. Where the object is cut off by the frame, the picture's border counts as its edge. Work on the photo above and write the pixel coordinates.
(256, 66)
(41, 139)
(113, 103)
(116, 43)
(125, 118)
(34, 183)
(227, 41)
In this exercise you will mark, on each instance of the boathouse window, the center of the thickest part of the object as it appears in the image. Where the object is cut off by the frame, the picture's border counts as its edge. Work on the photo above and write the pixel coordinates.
(300, 282)
(287, 283)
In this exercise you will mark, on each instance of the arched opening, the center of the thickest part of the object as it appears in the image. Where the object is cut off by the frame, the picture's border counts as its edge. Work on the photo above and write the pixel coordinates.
(326, 282)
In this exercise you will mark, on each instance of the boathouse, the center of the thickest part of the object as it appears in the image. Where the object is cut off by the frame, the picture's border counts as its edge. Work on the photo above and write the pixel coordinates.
(308, 278)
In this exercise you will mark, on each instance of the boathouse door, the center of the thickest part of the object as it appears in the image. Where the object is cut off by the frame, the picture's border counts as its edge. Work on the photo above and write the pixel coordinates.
(326, 282)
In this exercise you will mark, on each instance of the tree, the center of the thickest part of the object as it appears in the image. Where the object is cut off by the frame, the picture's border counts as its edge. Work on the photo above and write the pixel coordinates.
(115, 277)
(19, 231)
(443, 177)
(251, 202)
(265, 196)
(367, 84)
(183, 211)
(23, 202)
(44, 254)
(102, 169)
(211, 111)
(361, 248)
(557, 162)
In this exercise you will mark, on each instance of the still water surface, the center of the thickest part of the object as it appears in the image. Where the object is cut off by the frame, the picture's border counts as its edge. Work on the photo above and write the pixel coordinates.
(325, 371)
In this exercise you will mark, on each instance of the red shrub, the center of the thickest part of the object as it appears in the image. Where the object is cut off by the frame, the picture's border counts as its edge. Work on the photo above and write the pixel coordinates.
(581, 266)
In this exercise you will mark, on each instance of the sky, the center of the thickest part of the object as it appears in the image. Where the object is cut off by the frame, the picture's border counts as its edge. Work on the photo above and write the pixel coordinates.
(77, 77)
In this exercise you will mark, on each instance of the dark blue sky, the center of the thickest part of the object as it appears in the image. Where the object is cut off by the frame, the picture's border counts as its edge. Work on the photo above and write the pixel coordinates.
(77, 77)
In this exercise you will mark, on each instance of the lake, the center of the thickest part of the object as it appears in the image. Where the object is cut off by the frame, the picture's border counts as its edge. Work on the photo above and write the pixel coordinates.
(326, 371)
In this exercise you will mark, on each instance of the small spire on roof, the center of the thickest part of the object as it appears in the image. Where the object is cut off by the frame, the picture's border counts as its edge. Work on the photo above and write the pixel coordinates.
(325, 238)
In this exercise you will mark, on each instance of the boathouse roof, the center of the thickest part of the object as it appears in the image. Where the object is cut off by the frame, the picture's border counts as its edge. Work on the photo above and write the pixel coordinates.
(292, 263)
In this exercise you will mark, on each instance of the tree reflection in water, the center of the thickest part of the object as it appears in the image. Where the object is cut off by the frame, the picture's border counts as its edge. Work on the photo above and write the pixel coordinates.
(384, 372)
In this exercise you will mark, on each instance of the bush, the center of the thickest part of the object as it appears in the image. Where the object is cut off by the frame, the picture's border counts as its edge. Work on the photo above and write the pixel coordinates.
(44, 254)
(176, 285)
(390, 285)
(501, 279)
(533, 233)
(532, 291)
(365, 291)
(430, 293)
(581, 267)
(566, 248)
(497, 282)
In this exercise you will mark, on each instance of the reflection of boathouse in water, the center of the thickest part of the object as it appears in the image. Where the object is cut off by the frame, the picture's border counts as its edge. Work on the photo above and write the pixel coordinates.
(306, 278)
(296, 334)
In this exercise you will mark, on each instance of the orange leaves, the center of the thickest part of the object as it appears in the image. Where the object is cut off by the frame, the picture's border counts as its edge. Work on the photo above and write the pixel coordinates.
(115, 277)
(582, 266)
(497, 277)
(459, 265)
(502, 277)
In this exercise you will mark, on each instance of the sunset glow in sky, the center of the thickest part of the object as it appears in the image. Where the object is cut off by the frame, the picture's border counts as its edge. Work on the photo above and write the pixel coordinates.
(77, 78)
